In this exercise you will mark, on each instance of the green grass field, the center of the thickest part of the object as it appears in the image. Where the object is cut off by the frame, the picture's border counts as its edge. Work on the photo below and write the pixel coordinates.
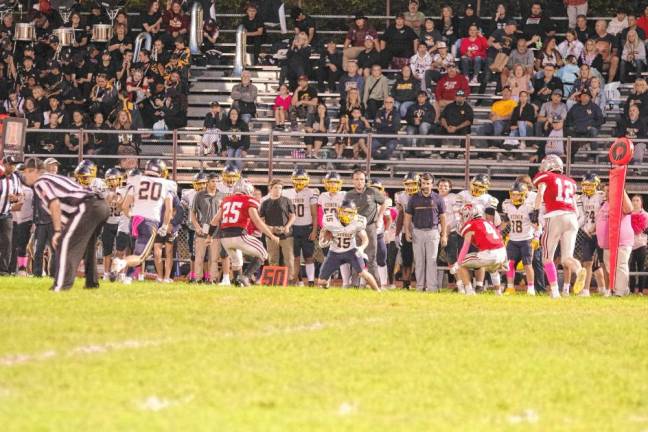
(159, 357)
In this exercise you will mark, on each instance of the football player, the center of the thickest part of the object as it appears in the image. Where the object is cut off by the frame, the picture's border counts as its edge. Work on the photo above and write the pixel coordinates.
(147, 195)
(305, 228)
(115, 194)
(558, 194)
(478, 195)
(339, 234)
(484, 236)
(234, 216)
(516, 211)
(86, 175)
(329, 202)
(230, 175)
(450, 200)
(199, 183)
(589, 203)
(382, 221)
(166, 242)
(410, 188)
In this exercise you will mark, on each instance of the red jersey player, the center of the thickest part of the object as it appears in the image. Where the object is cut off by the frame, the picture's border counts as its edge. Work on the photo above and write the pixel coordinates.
(491, 253)
(558, 194)
(234, 216)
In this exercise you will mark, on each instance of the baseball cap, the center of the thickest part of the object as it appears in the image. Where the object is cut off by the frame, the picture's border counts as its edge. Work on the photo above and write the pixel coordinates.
(586, 92)
(461, 93)
(556, 118)
(51, 161)
(10, 160)
(369, 37)
(511, 22)
(557, 91)
(470, 6)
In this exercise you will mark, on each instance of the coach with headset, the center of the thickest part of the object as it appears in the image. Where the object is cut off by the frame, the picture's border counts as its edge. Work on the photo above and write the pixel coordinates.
(425, 227)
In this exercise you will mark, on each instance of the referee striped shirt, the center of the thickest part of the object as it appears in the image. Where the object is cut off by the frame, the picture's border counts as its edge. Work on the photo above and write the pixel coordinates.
(50, 187)
(10, 185)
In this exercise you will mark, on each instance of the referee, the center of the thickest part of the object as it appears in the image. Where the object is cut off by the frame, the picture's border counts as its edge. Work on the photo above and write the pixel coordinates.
(425, 227)
(77, 215)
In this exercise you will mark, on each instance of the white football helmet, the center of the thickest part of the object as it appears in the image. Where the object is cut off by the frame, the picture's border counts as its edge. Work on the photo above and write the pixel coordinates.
(471, 211)
(552, 163)
(243, 187)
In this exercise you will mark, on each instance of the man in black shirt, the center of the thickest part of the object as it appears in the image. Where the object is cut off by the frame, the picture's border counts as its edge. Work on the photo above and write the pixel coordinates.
(304, 23)
(500, 41)
(606, 45)
(329, 67)
(398, 43)
(457, 117)
(304, 100)
(583, 30)
(387, 122)
(255, 29)
(537, 26)
(278, 213)
(544, 86)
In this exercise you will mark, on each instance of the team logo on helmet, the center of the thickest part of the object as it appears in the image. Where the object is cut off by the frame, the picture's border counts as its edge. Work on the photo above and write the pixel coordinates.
(479, 185)
(156, 168)
(114, 178)
(411, 183)
(347, 212)
(199, 181)
(85, 173)
(518, 193)
(332, 182)
(300, 179)
(471, 211)
(231, 175)
(590, 183)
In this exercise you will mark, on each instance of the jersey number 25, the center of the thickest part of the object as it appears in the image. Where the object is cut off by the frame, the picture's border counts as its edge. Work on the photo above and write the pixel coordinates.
(232, 211)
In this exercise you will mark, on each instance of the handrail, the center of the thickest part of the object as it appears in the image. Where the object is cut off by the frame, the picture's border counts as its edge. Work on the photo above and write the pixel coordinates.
(241, 51)
(148, 43)
(196, 31)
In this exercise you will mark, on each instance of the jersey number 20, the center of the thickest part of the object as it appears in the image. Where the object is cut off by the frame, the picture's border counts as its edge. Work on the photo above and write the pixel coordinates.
(150, 191)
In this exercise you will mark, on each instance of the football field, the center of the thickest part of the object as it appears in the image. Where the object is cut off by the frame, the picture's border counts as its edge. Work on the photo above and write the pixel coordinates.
(191, 357)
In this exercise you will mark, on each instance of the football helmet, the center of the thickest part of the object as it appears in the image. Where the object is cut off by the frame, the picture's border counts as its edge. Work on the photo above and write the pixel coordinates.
(376, 184)
(231, 175)
(479, 185)
(156, 168)
(518, 193)
(300, 179)
(332, 182)
(113, 178)
(243, 187)
(411, 183)
(590, 183)
(134, 172)
(471, 211)
(84, 174)
(552, 163)
(199, 181)
(91, 166)
(347, 212)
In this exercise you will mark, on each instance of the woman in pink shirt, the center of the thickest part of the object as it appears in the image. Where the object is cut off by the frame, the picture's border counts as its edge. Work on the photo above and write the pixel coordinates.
(626, 240)
(282, 107)
(473, 51)
(639, 219)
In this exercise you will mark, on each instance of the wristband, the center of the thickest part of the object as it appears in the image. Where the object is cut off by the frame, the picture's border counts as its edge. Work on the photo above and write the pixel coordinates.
(534, 215)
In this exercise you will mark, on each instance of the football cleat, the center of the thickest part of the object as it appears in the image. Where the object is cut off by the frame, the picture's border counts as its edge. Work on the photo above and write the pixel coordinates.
(580, 281)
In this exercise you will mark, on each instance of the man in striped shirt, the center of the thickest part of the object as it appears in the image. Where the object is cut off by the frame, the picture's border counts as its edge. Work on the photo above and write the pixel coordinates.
(10, 188)
(77, 214)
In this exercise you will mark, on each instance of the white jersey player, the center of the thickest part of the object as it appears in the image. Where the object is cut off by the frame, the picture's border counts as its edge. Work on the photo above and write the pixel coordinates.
(589, 204)
(304, 200)
(230, 175)
(330, 201)
(516, 211)
(339, 234)
(478, 196)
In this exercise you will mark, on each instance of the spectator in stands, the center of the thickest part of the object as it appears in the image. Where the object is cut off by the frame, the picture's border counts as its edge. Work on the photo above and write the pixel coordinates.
(591, 56)
(499, 20)
(152, 21)
(398, 43)
(549, 110)
(500, 44)
(448, 26)
(376, 89)
(317, 122)
(519, 81)
(305, 24)
(632, 25)
(568, 74)
(174, 116)
(350, 80)
(281, 107)
(440, 62)
(642, 21)
(120, 43)
(537, 26)
(618, 23)
(33, 114)
(545, 85)
(234, 144)
(448, 86)
(102, 143)
(297, 62)
(582, 83)
(468, 20)
(639, 284)
(473, 54)
(571, 45)
(429, 36)
(598, 94)
(420, 63)
(244, 96)
(606, 46)
(369, 57)
(414, 18)
(420, 117)
(255, 30)
(304, 101)
(632, 126)
(584, 120)
(523, 119)
(48, 143)
(54, 106)
(457, 117)
(352, 101)
(103, 96)
(387, 122)
(639, 97)
(358, 125)
(499, 119)
(633, 55)
(72, 142)
(575, 8)
(549, 54)
(14, 105)
(355, 38)
(404, 91)
(521, 55)
(329, 68)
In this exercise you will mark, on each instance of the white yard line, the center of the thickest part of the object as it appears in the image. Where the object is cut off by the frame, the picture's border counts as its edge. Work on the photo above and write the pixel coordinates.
(10, 360)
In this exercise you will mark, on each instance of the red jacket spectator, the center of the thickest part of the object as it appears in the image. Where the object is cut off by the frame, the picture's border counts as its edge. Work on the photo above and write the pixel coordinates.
(642, 23)
(476, 47)
(448, 85)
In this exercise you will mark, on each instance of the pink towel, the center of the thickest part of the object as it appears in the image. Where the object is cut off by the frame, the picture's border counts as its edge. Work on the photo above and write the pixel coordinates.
(136, 221)
(639, 222)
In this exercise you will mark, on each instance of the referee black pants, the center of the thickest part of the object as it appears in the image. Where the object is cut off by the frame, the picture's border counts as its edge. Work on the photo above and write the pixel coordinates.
(43, 239)
(79, 241)
(6, 233)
